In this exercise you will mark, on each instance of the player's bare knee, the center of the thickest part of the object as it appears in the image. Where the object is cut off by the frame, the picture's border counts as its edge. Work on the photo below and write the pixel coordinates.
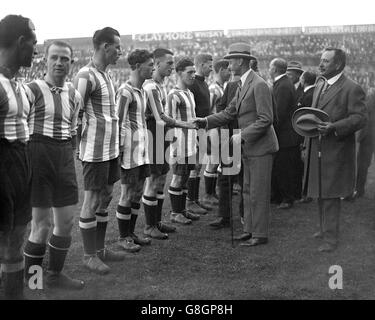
(40, 229)
(106, 200)
(126, 197)
(176, 181)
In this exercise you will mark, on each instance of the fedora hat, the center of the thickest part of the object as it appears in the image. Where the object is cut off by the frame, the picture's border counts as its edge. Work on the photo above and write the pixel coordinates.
(239, 50)
(294, 65)
(305, 121)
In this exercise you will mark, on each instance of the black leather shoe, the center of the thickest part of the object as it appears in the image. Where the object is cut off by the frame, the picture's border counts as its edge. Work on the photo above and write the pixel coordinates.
(243, 237)
(220, 223)
(254, 242)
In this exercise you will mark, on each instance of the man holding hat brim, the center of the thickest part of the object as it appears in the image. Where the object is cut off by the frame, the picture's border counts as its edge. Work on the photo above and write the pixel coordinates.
(252, 106)
(344, 102)
(294, 72)
(306, 120)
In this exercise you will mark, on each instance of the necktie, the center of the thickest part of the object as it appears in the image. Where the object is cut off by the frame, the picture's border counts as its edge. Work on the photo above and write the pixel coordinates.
(239, 87)
(325, 88)
(56, 90)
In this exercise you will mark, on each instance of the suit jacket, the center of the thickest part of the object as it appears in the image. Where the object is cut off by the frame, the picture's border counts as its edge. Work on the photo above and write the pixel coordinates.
(344, 102)
(368, 132)
(306, 99)
(253, 110)
(228, 95)
(299, 91)
(285, 102)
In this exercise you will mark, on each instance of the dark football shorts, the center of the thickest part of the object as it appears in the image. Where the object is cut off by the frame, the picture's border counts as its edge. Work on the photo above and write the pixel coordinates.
(183, 168)
(54, 181)
(15, 185)
(134, 175)
(97, 175)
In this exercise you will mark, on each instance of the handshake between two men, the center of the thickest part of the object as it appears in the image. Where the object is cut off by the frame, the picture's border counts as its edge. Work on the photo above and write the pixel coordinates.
(201, 123)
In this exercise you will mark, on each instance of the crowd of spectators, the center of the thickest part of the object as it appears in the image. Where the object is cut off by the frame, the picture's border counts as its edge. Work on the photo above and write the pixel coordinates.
(301, 47)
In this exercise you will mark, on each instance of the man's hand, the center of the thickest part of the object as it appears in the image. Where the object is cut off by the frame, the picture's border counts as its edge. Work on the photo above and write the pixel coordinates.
(189, 125)
(326, 128)
(200, 123)
(236, 139)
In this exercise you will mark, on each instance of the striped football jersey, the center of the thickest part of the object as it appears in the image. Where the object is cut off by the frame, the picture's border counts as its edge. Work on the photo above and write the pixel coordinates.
(54, 110)
(100, 133)
(14, 110)
(181, 106)
(131, 105)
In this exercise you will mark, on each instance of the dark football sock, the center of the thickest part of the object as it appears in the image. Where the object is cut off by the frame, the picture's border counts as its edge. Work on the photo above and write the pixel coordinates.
(88, 231)
(34, 254)
(150, 205)
(123, 215)
(101, 229)
(175, 195)
(58, 249)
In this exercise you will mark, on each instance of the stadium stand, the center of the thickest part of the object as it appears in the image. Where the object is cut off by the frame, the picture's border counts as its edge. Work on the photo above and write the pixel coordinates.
(301, 44)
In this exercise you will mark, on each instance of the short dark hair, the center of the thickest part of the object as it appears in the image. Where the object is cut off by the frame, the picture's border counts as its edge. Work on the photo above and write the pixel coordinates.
(309, 77)
(161, 52)
(339, 57)
(105, 35)
(183, 63)
(138, 56)
(280, 64)
(220, 64)
(59, 43)
(202, 58)
(12, 27)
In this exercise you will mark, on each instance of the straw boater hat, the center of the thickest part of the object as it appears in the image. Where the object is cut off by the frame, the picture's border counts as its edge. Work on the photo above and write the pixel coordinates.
(239, 50)
(295, 65)
(305, 121)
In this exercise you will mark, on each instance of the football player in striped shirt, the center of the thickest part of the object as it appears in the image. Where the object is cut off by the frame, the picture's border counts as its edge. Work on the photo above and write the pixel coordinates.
(54, 107)
(99, 148)
(221, 76)
(135, 168)
(181, 106)
(17, 48)
(157, 120)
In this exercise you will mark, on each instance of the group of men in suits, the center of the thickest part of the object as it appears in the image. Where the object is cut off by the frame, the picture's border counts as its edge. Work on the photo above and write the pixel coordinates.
(271, 149)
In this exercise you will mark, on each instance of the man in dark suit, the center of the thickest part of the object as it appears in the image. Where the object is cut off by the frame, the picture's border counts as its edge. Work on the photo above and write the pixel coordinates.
(252, 106)
(294, 72)
(344, 101)
(283, 173)
(308, 79)
(366, 141)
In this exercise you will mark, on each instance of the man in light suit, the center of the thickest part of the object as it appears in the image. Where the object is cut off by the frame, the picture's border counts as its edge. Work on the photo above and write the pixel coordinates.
(252, 106)
(344, 101)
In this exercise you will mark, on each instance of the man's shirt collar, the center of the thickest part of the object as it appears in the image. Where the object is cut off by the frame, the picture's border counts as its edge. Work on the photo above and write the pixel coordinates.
(279, 77)
(244, 76)
(334, 79)
(308, 87)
